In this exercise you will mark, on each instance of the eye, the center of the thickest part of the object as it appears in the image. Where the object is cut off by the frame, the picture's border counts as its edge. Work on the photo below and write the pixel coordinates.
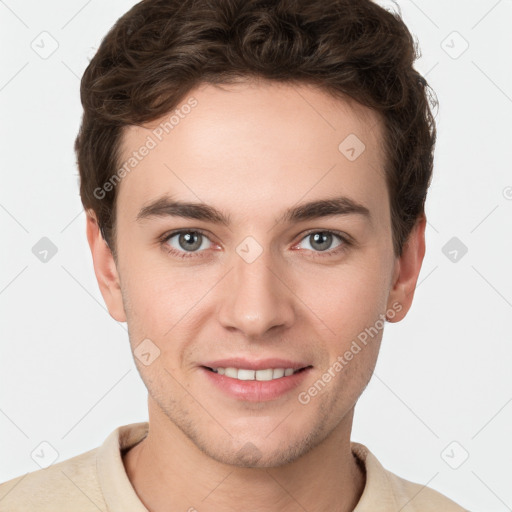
(322, 242)
(182, 242)
(188, 243)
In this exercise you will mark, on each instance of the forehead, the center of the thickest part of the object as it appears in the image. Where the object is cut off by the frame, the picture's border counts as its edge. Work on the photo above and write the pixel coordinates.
(241, 144)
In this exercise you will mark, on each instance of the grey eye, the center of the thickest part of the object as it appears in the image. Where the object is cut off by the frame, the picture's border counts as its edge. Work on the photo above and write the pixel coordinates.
(321, 240)
(188, 241)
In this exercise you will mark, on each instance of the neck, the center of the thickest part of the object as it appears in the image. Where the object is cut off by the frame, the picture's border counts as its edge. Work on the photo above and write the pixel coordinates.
(167, 468)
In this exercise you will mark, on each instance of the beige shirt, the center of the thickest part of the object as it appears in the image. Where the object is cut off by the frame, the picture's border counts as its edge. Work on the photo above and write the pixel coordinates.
(96, 481)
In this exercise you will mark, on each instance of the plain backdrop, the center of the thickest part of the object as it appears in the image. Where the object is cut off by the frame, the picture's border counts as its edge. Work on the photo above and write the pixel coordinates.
(439, 407)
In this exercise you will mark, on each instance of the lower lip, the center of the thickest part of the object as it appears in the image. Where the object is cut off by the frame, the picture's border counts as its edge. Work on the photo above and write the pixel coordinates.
(256, 390)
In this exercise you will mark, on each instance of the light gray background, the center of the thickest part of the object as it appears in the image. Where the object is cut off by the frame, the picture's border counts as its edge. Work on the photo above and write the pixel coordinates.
(442, 386)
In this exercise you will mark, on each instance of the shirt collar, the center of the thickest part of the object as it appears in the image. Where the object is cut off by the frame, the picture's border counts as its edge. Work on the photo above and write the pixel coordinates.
(378, 495)
(117, 489)
(120, 495)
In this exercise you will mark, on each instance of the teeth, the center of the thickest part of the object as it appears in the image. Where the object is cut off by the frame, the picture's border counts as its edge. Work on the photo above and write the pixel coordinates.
(246, 374)
(231, 372)
(278, 372)
(243, 374)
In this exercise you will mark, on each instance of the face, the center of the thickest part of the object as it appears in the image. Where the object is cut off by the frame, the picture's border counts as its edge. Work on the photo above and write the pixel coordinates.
(281, 259)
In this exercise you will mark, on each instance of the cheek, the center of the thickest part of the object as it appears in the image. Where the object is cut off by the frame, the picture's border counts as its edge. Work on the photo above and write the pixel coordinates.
(353, 295)
(147, 283)
(147, 301)
(164, 307)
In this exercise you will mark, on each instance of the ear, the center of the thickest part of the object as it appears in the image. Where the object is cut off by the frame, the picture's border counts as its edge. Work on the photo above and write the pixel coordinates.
(406, 272)
(105, 269)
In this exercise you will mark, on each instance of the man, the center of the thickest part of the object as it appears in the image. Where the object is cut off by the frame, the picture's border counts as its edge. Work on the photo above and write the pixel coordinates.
(254, 175)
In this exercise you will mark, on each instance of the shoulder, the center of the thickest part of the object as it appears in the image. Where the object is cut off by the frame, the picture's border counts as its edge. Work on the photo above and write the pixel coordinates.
(415, 497)
(387, 492)
(71, 484)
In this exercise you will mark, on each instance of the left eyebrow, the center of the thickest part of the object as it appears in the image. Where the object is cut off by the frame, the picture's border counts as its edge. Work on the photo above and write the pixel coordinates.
(165, 206)
(325, 207)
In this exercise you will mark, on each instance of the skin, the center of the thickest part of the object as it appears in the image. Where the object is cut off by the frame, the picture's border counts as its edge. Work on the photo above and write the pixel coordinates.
(252, 150)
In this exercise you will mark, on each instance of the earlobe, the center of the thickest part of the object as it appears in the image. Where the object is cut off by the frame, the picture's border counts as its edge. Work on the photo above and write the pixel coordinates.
(406, 272)
(105, 269)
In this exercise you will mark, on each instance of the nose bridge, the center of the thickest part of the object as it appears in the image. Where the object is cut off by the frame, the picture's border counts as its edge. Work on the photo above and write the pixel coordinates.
(256, 298)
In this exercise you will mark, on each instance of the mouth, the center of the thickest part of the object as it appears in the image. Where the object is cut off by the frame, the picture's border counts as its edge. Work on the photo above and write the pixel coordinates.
(262, 375)
(255, 380)
(264, 384)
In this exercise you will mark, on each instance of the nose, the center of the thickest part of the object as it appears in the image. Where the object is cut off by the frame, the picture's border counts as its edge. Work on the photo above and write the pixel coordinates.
(256, 298)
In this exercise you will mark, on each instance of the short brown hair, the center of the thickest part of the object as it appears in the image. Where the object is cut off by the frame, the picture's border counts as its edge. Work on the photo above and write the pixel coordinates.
(160, 50)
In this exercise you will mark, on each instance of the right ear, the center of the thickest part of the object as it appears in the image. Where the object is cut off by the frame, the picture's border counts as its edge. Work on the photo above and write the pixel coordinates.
(105, 269)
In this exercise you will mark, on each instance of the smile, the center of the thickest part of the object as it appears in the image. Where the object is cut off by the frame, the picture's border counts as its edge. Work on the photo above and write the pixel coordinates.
(259, 375)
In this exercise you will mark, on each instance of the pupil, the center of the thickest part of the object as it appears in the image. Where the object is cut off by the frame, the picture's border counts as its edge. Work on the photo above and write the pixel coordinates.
(191, 240)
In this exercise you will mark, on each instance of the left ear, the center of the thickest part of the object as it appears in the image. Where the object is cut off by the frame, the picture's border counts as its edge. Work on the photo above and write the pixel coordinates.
(407, 269)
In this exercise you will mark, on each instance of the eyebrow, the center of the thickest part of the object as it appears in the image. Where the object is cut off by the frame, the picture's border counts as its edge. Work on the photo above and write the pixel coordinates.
(166, 206)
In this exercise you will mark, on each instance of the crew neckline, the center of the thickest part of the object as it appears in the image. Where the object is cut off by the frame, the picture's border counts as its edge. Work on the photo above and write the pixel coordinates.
(120, 495)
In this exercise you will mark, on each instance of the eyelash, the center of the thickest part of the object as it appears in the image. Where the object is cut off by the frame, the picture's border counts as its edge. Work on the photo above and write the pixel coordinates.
(317, 254)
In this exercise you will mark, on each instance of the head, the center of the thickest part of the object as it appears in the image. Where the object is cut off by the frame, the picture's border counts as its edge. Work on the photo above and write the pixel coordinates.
(251, 109)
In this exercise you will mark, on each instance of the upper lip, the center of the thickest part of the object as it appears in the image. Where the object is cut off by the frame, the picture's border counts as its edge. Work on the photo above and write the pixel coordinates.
(261, 364)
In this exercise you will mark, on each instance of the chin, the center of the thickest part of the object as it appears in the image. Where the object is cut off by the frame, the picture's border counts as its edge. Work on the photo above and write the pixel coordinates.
(260, 452)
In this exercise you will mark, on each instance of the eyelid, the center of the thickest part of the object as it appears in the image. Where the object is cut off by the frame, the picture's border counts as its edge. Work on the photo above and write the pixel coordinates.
(344, 236)
(169, 234)
(164, 239)
(346, 240)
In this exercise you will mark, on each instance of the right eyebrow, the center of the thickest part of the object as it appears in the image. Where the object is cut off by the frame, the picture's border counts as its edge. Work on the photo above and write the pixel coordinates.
(165, 206)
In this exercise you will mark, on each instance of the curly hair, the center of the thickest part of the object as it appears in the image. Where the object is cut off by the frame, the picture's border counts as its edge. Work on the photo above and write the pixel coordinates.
(160, 50)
